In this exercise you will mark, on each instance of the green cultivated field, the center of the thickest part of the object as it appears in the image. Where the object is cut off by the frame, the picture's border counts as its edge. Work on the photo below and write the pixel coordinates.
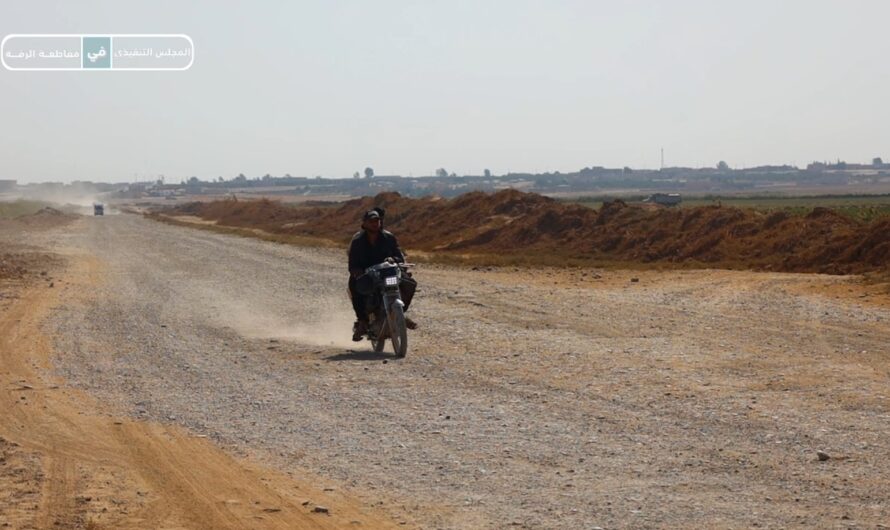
(859, 207)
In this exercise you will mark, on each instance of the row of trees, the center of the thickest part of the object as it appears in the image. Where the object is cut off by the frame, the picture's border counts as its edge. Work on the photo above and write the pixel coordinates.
(369, 173)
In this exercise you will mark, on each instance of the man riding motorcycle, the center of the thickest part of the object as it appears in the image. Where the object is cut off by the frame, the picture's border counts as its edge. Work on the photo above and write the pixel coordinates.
(370, 246)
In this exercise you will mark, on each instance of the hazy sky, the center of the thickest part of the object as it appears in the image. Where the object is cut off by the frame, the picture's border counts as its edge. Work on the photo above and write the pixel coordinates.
(329, 87)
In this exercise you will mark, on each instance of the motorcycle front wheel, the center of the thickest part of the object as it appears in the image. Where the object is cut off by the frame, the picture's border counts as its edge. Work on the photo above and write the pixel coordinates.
(379, 326)
(398, 330)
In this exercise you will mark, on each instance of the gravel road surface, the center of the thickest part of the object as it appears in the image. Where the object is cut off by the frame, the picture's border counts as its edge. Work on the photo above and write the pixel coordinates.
(539, 399)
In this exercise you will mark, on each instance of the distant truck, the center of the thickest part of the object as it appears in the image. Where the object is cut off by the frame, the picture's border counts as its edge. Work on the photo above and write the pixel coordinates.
(98, 209)
(665, 199)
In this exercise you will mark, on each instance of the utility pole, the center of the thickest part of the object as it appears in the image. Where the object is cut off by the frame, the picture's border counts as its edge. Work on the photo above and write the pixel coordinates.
(662, 158)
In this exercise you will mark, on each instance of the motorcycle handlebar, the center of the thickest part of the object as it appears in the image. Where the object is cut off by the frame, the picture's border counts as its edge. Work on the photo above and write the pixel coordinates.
(386, 264)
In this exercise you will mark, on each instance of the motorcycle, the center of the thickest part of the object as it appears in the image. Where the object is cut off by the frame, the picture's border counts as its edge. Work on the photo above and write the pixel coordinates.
(386, 311)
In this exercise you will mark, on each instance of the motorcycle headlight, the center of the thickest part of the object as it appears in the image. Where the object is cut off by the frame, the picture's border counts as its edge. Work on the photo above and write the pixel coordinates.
(392, 280)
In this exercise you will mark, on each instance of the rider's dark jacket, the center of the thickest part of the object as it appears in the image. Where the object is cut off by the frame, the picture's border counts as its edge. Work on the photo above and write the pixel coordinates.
(362, 254)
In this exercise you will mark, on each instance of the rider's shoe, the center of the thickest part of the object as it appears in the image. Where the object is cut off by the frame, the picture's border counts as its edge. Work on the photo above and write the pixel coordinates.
(359, 330)
(410, 324)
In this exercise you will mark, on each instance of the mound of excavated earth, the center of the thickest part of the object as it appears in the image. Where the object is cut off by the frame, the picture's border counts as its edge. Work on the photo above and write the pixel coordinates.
(516, 223)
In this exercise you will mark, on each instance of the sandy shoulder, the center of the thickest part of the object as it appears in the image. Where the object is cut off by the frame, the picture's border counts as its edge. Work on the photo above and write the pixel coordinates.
(67, 462)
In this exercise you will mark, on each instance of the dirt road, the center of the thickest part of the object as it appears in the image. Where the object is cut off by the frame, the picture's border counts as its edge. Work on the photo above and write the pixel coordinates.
(540, 399)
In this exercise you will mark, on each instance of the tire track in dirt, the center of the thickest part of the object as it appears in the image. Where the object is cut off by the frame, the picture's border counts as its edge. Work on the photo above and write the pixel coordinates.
(58, 505)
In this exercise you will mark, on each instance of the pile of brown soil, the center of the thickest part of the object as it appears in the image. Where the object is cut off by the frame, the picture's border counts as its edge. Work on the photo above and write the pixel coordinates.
(11, 267)
(45, 218)
(510, 222)
(19, 261)
(27, 264)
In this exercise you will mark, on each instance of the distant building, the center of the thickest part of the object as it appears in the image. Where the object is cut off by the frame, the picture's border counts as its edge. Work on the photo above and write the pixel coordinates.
(840, 165)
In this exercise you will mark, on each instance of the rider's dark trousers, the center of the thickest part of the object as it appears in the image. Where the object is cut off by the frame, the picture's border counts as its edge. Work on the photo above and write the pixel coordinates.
(359, 301)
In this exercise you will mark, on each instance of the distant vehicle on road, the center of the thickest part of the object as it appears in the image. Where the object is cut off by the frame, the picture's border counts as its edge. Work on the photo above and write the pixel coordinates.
(98, 209)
